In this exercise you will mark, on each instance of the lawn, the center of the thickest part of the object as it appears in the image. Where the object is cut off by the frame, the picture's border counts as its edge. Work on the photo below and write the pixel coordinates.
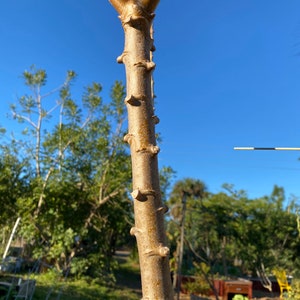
(80, 289)
(50, 286)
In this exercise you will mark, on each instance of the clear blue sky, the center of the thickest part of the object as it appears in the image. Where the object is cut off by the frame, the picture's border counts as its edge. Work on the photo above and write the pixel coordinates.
(227, 75)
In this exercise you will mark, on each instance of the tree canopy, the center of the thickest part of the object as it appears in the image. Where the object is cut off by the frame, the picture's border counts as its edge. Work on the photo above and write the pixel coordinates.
(231, 235)
(67, 175)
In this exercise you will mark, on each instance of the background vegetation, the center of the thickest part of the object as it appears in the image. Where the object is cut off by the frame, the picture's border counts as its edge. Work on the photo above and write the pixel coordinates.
(65, 171)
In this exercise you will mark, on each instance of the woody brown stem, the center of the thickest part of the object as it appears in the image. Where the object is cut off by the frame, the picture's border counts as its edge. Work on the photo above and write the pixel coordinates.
(136, 17)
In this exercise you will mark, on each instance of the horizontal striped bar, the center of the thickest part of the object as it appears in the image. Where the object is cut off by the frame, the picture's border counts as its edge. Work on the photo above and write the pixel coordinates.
(268, 148)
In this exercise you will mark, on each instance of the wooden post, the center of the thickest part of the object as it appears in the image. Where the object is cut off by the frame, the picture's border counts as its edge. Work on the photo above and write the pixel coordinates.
(11, 238)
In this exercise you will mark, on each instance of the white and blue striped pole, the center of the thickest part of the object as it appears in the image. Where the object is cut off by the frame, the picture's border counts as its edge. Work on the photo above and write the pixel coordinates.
(268, 148)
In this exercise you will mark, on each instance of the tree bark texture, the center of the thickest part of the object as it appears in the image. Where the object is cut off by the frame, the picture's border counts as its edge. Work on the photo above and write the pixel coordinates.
(136, 17)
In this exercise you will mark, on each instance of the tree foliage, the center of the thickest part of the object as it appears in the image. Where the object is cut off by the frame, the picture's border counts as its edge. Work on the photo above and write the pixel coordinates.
(68, 174)
(231, 235)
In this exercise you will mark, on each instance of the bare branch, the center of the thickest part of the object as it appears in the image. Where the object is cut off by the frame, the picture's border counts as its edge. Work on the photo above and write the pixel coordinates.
(100, 202)
(27, 119)
(108, 197)
(41, 198)
(194, 251)
(52, 109)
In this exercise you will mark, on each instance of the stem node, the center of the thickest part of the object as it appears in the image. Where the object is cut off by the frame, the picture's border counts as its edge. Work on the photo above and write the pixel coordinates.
(148, 65)
(121, 58)
(161, 251)
(134, 231)
(135, 100)
(141, 195)
(128, 138)
(155, 119)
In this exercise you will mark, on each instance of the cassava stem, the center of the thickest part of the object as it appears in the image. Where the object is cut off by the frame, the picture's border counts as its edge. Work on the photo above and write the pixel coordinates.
(136, 17)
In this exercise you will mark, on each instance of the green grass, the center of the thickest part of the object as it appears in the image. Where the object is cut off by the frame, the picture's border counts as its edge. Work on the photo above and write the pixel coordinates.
(51, 286)
(54, 287)
(80, 289)
(127, 285)
(128, 274)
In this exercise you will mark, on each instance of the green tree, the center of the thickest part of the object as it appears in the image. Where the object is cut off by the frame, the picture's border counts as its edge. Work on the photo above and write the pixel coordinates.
(77, 173)
(229, 234)
(186, 198)
(271, 232)
(13, 184)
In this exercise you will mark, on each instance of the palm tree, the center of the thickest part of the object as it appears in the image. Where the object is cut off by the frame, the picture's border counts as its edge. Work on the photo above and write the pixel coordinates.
(183, 190)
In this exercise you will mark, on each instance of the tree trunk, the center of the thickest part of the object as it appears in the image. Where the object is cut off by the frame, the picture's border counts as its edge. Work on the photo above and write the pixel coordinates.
(136, 17)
